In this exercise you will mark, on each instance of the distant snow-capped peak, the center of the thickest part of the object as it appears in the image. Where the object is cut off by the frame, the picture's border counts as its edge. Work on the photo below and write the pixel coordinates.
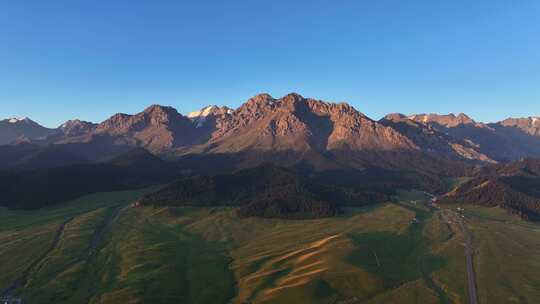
(199, 117)
(18, 119)
(203, 112)
(210, 110)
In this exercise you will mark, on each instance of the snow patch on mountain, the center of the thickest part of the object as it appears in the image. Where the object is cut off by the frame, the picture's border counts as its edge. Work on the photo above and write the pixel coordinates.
(202, 113)
(17, 119)
(200, 117)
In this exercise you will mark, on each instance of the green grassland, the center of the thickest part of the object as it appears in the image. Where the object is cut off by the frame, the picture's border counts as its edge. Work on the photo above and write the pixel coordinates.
(507, 256)
(98, 249)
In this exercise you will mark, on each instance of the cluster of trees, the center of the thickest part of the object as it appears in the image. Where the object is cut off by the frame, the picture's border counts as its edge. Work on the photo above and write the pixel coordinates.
(514, 186)
(264, 191)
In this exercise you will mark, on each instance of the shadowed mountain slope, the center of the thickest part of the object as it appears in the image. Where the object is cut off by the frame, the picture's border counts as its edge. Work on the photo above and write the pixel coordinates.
(514, 187)
(508, 140)
(42, 187)
(22, 129)
(433, 141)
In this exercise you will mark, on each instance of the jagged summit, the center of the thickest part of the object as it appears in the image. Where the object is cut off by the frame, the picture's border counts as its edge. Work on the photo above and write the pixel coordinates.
(529, 125)
(160, 109)
(77, 127)
(296, 123)
(448, 120)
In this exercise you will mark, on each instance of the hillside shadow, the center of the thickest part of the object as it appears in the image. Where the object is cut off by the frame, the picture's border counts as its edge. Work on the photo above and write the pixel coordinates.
(399, 258)
(321, 125)
(395, 258)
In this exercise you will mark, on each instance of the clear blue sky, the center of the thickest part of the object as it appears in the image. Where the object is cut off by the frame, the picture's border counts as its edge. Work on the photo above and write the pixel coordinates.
(90, 59)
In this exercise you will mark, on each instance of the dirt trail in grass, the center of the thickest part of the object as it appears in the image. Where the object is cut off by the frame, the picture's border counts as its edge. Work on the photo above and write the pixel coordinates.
(23, 279)
(95, 243)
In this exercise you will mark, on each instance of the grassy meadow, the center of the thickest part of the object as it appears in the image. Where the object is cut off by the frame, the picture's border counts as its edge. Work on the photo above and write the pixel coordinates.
(98, 249)
(507, 256)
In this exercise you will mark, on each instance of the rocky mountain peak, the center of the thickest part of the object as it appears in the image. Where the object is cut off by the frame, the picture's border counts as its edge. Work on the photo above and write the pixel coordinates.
(161, 114)
(21, 120)
(22, 130)
(395, 117)
(261, 98)
(156, 128)
(528, 121)
(207, 114)
(297, 123)
(529, 125)
(209, 111)
(292, 98)
(77, 127)
(448, 120)
(464, 119)
(15, 119)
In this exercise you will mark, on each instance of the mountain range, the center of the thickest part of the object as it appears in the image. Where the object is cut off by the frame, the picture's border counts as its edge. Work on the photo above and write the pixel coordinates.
(331, 144)
(290, 123)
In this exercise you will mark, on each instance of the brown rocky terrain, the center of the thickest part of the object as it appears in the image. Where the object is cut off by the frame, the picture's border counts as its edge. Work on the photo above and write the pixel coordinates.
(307, 127)
(156, 128)
(299, 124)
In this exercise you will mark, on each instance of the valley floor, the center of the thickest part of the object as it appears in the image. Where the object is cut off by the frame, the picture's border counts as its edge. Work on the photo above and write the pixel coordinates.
(99, 249)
